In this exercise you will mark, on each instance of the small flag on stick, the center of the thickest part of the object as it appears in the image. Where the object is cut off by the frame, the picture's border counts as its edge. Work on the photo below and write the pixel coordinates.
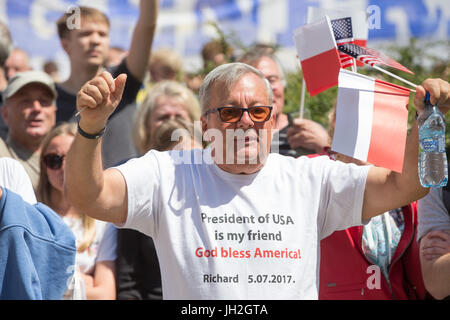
(343, 34)
(371, 120)
(370, 56)
(358, 18)
(319, 57)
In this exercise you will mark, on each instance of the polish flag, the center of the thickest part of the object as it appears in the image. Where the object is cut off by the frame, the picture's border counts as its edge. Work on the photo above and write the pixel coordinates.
(319, 57)
(359, 22)
(371, 120)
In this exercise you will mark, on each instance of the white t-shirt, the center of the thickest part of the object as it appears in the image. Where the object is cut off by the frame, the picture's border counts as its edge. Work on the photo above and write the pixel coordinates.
(14, 177)
(107, 250)
(259, 232)
(87, 259)
(432, 213)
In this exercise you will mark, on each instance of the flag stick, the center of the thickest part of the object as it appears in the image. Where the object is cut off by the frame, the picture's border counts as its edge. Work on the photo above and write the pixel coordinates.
(81, 110)
(302, 99)
(396, 77)
(354, 69)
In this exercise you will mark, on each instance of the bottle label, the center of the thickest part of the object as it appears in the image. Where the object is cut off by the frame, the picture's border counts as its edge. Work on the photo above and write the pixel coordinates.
(433, 145)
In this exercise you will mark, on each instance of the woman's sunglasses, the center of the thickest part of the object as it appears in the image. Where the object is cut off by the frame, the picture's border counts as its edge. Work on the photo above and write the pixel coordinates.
(53, 161)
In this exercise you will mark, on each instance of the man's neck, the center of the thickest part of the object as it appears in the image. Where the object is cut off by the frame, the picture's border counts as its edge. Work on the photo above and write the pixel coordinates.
(78, 77)
(241, 169)
(29, 144)
(281, 121)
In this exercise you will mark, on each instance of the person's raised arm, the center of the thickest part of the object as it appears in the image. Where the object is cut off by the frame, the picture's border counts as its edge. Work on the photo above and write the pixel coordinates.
(91, 190)
(385, 189)
(141, 42)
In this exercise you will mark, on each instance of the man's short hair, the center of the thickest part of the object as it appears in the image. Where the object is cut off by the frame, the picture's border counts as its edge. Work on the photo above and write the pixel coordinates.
(227, 75)
(86, 13)
(5, 44)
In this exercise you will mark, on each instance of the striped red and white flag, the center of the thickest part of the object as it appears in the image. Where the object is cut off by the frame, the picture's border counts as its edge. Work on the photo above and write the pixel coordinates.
(370, 56)
(343, 34)
(371, 120)
(358, 17)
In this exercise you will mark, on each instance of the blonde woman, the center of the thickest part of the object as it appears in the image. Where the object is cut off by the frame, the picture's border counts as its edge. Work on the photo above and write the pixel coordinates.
(166, 100)
(95, 240)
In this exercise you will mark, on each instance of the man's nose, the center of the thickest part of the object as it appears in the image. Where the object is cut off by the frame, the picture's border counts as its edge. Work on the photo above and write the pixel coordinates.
(95, 37)
(37, 105)
(246, 121)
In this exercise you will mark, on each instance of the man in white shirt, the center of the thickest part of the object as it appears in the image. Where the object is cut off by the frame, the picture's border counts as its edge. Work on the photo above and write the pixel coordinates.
(14, 177)
(233, 221)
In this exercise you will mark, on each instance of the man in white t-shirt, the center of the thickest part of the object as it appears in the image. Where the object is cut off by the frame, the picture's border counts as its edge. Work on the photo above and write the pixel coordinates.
(232, 221)
(14, 177)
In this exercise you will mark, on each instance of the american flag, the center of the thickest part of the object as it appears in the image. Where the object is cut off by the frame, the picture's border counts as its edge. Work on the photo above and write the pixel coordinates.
(343, 34)
(370, 56)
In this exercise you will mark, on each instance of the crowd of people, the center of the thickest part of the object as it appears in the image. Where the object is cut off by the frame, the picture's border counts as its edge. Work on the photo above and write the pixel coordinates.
(99, 205)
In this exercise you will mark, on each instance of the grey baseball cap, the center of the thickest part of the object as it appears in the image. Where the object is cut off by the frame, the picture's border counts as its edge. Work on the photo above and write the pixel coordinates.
(21, 79)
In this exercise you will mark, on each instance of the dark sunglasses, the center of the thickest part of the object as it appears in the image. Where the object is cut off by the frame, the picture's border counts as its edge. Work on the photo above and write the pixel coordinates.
(53, 161)
(234, 114)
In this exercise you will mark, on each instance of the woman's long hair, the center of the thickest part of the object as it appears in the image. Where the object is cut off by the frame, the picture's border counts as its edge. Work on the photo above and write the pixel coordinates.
(43, 192)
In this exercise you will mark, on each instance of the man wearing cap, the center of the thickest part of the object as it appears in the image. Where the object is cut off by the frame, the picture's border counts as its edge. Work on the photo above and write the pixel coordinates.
(29, 111)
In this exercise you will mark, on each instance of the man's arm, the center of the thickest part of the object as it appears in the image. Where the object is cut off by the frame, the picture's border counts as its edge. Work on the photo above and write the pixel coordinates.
(97, 193)
(386, 189)
(435, 262)
(141, 42)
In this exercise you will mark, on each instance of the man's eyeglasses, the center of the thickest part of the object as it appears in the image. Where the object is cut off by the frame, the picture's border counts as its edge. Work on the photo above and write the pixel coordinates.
(53, 161)
(234, 114)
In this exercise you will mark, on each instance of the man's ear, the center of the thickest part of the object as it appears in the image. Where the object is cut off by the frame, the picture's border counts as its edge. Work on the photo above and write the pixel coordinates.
(204, 121)
(274, 119)
(65, 43)
(204, 124)
(4, 114)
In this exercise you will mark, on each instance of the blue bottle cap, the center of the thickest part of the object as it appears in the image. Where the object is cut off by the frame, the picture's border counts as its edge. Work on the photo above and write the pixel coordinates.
(427, 98)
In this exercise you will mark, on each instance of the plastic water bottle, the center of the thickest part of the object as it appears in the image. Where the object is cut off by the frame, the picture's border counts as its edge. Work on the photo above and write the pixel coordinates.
(432, 157)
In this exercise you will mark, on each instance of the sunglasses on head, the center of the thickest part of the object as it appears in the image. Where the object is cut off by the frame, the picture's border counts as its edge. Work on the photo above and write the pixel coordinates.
(234, 114)
(53, 161)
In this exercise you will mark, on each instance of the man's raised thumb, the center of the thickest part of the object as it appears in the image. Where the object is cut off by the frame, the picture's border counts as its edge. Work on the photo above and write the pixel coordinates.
(119, 84)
